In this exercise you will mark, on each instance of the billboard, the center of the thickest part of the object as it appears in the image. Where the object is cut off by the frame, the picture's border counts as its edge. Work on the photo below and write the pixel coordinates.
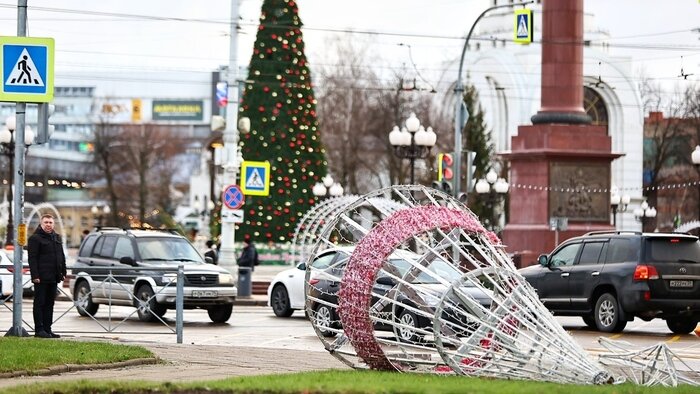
(190, 110)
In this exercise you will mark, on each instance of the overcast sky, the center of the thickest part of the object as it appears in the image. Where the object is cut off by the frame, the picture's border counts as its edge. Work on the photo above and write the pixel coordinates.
(117, 35)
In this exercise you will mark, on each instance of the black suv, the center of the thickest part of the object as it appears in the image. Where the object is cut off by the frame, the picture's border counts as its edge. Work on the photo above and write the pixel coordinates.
(609, 278)
(138, 268)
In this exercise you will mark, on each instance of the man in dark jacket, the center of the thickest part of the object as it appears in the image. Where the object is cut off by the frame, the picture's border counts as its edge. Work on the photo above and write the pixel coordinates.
(47, 264)
(249, 256)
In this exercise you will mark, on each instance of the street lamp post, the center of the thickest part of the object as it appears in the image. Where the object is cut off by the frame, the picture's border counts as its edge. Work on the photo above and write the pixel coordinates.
(7, 145)
(412, 142)
(461, 113)
(493, 188)
(328, 187)
(618, 203)
(695, 156)
(644, 213)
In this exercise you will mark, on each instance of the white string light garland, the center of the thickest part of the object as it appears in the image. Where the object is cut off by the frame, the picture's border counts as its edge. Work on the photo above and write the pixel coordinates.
(604, 190)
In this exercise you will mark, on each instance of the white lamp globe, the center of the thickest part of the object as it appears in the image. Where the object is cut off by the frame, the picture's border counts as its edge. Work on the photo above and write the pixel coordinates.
(412, 123)
(482, 186)
(11, 123)
(491, 176)
(319, 190)
(28, 136)
(395, 136)
(422, 137)
(501, 186)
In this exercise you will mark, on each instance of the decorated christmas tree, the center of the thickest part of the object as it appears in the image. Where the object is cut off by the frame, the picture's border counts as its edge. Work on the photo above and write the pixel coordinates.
(280, 102)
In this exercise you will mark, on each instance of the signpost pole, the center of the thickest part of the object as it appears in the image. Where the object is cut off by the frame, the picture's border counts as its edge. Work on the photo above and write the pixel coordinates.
(17, 330)
(232, 154)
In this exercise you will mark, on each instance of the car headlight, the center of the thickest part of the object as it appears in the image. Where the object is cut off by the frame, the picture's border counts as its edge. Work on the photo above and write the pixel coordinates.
(225, 279)
(169, 279)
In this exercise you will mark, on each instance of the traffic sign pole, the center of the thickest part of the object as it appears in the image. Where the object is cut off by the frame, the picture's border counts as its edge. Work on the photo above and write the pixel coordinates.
(18, 204)
(232, 154)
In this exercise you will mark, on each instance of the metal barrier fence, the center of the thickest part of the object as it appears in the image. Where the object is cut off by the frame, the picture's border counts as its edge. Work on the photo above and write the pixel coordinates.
(117, 288)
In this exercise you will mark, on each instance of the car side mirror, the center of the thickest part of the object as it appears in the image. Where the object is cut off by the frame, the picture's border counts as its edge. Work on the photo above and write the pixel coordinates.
(385, 280)
(302, 266)
(127, 260)
(542, 260)
(208, 260)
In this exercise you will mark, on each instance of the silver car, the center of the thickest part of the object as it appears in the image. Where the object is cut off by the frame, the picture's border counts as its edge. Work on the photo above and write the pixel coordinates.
(139, 268)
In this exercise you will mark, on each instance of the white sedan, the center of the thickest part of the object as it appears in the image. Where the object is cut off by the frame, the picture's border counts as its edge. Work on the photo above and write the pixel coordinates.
(7, 276)
(286, 291)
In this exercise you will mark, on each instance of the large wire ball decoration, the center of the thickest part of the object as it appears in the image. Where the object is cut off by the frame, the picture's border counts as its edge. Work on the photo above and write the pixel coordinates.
(425, 288)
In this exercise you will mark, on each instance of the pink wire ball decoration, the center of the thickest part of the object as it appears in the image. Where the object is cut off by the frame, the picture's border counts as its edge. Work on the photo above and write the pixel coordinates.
(369, 255)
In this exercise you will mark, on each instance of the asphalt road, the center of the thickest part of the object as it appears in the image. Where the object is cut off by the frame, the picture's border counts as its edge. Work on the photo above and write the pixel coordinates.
(255, 341)
(257, 326)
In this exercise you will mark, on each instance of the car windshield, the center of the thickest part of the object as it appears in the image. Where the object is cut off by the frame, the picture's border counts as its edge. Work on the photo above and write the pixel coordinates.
(668, 249)
(438, 268)
(175, 250)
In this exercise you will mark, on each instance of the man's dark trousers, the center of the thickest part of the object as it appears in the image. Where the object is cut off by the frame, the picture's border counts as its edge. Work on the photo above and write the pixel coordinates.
(44, 297)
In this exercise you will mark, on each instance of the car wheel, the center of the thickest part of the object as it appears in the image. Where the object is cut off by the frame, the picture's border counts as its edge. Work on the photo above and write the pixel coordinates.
(590, 321)
(220, 313)
(324, 318)
(607, 314)
(279, 299)
(147, 307)
(83, 300)
(407, 331)
(681, 325)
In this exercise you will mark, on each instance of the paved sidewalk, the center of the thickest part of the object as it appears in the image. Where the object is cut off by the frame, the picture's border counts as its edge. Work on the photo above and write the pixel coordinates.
(190, 363)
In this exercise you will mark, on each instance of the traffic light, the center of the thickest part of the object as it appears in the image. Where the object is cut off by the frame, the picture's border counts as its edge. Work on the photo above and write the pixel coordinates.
(445, 172)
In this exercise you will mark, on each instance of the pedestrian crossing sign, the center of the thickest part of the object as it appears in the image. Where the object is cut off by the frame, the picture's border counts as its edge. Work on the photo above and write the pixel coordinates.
(523, 26)
(255, 178)
(27, 69)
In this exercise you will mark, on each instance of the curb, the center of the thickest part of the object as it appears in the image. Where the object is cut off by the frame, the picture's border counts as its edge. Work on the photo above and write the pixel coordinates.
(59, 369)
(249, 301)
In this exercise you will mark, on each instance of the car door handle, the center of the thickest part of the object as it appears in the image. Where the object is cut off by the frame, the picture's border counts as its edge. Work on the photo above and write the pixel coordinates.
(565, 274)
(595, 273)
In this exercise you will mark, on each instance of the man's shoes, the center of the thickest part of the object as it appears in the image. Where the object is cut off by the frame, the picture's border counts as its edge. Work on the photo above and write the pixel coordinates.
(42, 334)
(54, 335)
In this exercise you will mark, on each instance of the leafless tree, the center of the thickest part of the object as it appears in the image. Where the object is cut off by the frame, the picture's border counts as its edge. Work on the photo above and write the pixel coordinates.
(107, 158)
(668, 134)
(149, 150)
(357, 109)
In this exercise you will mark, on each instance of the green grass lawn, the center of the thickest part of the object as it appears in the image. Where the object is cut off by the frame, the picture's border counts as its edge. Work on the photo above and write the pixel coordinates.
(32, 354)
(347, 382)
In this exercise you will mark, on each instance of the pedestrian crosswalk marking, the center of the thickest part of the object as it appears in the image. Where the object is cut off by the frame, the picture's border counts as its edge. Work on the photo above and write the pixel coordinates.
(24, 72)
(522, 26)
(255, 180)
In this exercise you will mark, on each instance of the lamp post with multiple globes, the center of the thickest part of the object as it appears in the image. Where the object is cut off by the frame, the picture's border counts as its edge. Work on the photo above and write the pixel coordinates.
(328, 187)
(7, 148)
(618, 203)
(493, 188)
(412, 142)
(645, 213)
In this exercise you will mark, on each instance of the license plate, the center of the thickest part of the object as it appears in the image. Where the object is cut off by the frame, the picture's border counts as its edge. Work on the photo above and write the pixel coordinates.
(205, 293)
(681, 283)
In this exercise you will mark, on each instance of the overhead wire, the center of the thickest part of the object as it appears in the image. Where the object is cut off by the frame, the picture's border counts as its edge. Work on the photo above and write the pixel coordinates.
(142, 17)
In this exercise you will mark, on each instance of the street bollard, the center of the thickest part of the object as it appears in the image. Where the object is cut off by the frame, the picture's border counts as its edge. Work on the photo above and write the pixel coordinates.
(245, 283)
